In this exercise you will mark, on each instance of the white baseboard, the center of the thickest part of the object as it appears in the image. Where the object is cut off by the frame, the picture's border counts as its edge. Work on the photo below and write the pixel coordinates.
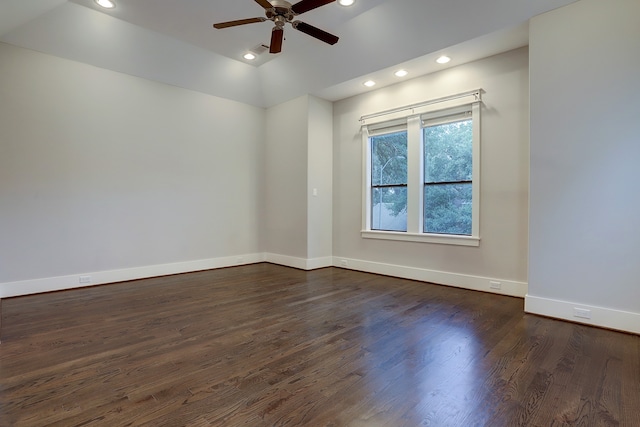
(299, 263)
(600, 316)
(49, 284)
(476, 283)
(315, 263)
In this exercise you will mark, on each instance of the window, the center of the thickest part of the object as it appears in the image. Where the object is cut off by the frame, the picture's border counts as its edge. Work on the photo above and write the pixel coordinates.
(422, 175)
(448, 165)
(389, 182)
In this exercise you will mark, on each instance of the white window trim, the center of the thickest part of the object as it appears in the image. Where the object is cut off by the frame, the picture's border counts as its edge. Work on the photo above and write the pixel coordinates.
(415, 184)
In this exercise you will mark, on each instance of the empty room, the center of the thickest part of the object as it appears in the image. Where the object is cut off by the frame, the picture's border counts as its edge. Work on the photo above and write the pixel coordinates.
(319, 213)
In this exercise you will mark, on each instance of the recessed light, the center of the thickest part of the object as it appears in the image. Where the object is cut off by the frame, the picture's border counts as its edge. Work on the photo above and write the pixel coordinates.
(107, 4)
(346, 2)
(250, 56)
(369, 83)
(443, 59)
(401, 73)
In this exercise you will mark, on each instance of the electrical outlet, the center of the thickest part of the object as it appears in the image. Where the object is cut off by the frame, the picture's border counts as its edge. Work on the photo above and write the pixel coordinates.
(582, 313)
(495, 285)
(84, 279)
(344, 263)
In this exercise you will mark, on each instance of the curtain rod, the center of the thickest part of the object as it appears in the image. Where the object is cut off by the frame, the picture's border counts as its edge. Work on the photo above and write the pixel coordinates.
(477, 93)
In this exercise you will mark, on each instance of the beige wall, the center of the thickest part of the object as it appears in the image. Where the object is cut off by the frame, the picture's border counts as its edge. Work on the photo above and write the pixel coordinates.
(585, 204)
(320, 173)
(298, 160)
(502, 253)
(285, 179)
(102, 171)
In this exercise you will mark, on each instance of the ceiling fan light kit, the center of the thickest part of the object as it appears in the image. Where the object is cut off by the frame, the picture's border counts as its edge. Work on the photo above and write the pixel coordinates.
(281, 12)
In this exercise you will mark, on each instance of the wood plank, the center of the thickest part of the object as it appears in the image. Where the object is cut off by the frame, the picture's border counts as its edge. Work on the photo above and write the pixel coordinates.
(265, 345)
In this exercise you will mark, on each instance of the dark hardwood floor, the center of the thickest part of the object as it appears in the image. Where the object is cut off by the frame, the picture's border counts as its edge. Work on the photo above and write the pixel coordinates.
(265, 345)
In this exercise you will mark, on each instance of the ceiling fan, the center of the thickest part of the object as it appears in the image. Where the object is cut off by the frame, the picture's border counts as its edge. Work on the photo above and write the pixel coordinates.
(282, 12)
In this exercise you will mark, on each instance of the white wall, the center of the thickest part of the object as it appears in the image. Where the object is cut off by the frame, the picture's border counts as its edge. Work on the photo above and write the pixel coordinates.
(101, 171)
(585, 203)
(502, 254)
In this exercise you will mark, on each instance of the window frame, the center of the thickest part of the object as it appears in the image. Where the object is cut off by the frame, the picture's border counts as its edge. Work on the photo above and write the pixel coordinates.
(414, 123)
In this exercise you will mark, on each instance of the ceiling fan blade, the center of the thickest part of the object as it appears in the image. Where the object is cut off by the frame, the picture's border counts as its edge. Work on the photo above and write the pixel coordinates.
(315, 32)
(238, 22)
(264, 3)
(307, 5)
(277, 34)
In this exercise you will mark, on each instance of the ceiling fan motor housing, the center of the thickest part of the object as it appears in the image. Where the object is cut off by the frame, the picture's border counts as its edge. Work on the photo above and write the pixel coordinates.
(280, 12)
(280, 4)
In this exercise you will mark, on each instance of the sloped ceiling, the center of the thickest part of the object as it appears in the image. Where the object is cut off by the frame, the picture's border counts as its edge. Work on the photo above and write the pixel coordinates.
(173, 41)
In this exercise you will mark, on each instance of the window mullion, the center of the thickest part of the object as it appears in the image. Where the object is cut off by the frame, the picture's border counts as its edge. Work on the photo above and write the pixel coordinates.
(414, 175)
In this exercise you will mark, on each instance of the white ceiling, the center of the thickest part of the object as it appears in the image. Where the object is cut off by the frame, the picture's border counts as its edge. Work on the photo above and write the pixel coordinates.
(173, 41)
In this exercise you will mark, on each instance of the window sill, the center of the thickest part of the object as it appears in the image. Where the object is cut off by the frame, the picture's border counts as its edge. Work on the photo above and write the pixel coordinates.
(443, 239)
